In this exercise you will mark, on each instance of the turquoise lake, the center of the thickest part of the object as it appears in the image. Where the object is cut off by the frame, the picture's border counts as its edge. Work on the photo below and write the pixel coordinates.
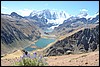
(41, 43)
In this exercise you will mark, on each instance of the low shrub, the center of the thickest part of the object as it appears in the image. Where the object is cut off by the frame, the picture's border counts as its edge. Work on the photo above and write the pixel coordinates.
(31, 60)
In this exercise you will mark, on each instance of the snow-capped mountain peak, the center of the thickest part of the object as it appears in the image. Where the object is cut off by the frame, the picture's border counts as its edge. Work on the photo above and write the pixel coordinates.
(82, 14)
(95, 15)
(56, 18)
(52, 16)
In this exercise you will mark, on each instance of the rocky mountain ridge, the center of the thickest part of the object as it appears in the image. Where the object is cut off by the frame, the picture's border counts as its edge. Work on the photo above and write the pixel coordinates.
(75, 21)
(16, 32)
(86, 40)
(49, 19)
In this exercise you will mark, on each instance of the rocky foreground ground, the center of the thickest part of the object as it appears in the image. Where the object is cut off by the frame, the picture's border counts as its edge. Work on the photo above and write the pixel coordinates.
(86, 59)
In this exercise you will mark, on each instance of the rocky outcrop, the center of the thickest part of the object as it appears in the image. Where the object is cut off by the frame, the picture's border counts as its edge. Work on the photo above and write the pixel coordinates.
(13, 14)
(86, 40)
(16, 32)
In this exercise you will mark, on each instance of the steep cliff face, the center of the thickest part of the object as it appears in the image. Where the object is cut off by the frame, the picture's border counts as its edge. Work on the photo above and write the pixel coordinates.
(16, 32)
(86, 40)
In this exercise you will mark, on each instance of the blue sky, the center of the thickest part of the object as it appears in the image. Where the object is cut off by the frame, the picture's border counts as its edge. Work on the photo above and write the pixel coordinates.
(71, 7)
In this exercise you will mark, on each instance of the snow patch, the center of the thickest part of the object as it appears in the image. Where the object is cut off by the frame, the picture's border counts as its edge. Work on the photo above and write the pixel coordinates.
(57, 21)
(53, 27)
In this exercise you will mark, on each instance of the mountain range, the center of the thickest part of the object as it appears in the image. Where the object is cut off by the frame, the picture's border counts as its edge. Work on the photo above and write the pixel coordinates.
(77, 21)
(49, 19)
(17, 31)
(59, 17)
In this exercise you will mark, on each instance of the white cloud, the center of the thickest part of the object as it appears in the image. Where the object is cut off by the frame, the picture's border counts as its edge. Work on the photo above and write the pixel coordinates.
(85, 10)
(24, 12)
(4, 7)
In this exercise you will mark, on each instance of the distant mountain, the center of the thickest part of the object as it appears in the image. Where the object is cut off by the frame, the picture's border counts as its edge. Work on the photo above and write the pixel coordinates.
(14, 14)
(82, 14)
(57, 18)
(49, 14)
(83, 17)
(49, 17)
(94, 19)
(16, 32)
(76, 21)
